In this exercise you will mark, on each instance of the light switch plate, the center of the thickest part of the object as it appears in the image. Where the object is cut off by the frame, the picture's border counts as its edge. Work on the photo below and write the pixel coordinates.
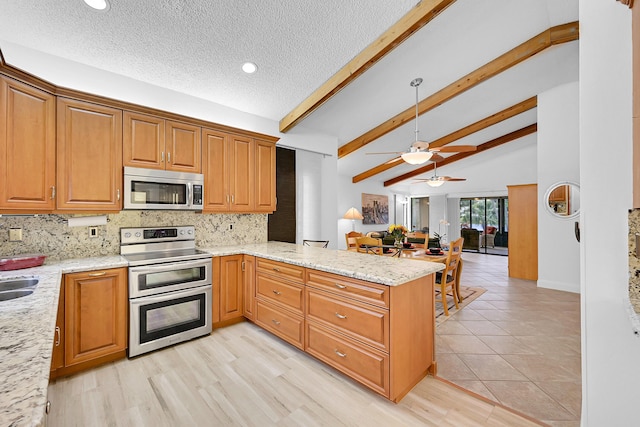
(15, 234)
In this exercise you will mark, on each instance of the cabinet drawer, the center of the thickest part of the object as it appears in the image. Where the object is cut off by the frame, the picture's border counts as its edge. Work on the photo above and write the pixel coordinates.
(289, 295)
(367, 292)
(360, 362)
(279, 322)
(363, 322)
(280, 269)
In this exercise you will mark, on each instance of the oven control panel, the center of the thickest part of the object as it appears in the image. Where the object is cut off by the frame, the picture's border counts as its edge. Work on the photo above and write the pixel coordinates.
(135, 235)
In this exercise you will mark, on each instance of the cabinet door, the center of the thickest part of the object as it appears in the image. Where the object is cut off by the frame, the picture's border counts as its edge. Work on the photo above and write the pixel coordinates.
(249, 286)
(89, 157)
(57, 358)
(27, 147)
(215, 168)
(265, 179)
(231, 287)
(183, 147)
(241, 181)
(523, 231)
(95, 314)
(143, 141)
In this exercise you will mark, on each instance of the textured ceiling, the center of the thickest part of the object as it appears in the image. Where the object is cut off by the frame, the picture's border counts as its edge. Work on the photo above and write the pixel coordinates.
(198, 46)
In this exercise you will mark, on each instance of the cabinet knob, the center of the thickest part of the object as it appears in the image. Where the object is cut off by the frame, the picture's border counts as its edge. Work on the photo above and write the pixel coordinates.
(275, 322)
(169, 157)
(340, 316)
(100, 273)
(53, 192)
(339, 286)
(57, 336)
(276, 292)
(162, 156)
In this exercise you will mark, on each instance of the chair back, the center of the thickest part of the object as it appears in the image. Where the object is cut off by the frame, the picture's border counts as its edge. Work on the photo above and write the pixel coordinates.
(453, 259)
(351, 240)
(316, 243)
(417, 235)
(360, 241)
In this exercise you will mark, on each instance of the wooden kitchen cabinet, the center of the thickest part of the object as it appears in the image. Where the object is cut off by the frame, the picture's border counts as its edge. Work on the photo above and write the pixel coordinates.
(27, 148)
(91, 327)
(231, 287)
(559, 194)
(89, 157)
(155, 143)
(265, 179)
(249, 271)
(239, 173)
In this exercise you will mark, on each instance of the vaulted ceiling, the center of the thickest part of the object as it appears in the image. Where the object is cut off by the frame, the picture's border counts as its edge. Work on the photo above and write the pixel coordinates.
(335, 67)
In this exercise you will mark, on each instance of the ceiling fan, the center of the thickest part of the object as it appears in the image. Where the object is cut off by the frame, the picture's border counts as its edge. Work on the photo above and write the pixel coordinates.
(437, 181)
(419, 152)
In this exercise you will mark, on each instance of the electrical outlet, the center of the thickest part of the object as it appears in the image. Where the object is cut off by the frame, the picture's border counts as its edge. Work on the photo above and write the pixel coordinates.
(93, 231)
(15, 234)
(230, 226)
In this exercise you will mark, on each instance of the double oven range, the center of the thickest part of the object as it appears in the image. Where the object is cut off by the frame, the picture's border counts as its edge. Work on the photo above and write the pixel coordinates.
(170, 295)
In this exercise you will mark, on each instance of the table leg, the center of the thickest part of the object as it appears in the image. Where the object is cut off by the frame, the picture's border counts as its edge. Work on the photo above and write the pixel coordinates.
(458, 274)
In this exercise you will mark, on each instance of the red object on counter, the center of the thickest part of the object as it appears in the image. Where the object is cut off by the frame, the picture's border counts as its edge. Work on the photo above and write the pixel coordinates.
(18, 262)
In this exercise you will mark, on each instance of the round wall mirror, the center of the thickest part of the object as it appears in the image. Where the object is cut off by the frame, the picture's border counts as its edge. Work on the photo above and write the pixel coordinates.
(563, 200)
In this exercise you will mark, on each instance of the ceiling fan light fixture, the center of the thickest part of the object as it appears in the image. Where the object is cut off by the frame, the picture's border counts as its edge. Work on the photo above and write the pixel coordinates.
(435, 182)
(416, 157)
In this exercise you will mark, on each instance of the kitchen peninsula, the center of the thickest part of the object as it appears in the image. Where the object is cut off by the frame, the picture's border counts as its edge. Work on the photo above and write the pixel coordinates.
(404, 308)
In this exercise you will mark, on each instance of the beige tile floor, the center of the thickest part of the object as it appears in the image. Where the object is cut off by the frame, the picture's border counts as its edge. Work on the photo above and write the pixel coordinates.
(517, 344)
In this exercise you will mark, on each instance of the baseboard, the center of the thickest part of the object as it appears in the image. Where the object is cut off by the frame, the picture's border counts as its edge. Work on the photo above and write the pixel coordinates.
(559, 286)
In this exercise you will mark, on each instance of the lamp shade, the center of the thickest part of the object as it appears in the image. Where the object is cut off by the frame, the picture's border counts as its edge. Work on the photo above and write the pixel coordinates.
(353, 214)
(416, 157)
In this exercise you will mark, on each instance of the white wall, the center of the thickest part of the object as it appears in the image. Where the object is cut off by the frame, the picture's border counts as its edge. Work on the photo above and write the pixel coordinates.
(316, 183)
(558, 160)
(610, 350)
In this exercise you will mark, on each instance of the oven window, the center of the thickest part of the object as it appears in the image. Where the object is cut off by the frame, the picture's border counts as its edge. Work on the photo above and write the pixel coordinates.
(172, 277)
(171, 317)
(158, 193)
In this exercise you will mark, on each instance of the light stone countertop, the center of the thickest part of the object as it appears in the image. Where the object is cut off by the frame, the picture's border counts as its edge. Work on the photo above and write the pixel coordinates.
(27, 324)
(27, 327)
(390, 271)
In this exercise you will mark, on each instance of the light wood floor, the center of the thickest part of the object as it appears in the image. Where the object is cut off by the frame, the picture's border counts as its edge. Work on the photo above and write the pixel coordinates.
(243, 376)
(516, 344)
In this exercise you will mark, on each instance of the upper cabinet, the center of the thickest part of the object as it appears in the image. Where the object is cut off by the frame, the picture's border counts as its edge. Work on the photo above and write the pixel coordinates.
(27, 147)
(89, 157)
(156, 143)
(239, 173)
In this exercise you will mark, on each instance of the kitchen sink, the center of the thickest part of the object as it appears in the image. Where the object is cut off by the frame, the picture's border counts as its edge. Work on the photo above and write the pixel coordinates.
(11, 284)
(9, 295)
(16, 288)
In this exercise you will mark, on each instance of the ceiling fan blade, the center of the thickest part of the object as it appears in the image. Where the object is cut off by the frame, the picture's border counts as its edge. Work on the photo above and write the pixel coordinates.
(455, 148)
(388, 152)
(394, 160)
(435, 157)
(448, 178)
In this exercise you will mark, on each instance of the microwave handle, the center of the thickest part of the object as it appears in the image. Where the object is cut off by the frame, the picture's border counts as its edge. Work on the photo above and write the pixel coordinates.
(189, 192)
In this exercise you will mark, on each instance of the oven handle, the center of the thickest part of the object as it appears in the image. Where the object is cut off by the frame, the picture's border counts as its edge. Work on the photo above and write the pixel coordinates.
(168, 296)
(170, 266)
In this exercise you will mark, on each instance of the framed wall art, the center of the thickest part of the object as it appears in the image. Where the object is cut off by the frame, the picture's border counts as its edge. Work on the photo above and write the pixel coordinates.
(375, 209)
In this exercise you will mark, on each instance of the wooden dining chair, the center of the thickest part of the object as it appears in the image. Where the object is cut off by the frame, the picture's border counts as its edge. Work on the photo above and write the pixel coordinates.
(351, 240)
(369, 241)
(446, 280)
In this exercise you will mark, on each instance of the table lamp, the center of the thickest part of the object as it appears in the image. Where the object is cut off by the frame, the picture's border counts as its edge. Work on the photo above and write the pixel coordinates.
(353, 214)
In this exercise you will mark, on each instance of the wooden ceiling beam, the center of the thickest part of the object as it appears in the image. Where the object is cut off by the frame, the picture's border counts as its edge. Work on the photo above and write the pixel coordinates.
(498, 117)
(416, 18)
(553, 36)
(482, 147)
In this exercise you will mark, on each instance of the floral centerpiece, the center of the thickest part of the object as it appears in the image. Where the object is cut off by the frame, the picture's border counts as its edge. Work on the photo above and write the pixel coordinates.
(398, 231)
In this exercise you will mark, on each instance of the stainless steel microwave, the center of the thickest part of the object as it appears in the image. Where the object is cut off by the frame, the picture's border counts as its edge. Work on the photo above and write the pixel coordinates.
(160, 189)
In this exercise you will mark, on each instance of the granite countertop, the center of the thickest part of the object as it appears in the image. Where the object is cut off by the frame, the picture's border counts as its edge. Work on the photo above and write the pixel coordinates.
(27, 327)
(390, 271)
(27, 324)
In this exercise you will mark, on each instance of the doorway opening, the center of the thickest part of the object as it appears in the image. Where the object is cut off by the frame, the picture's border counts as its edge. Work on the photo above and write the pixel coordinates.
(484, 224)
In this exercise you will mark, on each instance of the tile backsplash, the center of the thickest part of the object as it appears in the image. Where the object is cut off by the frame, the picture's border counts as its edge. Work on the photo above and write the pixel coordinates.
(50, 234)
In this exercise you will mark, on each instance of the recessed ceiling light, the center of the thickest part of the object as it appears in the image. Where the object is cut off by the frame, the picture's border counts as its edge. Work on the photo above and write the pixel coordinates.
(249, 67)
(98, 4)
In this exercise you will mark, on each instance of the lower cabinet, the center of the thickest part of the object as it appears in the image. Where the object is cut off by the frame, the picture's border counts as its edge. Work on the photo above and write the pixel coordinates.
(92, 320)
(381, 336)
(233, 289)
(249, 286)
